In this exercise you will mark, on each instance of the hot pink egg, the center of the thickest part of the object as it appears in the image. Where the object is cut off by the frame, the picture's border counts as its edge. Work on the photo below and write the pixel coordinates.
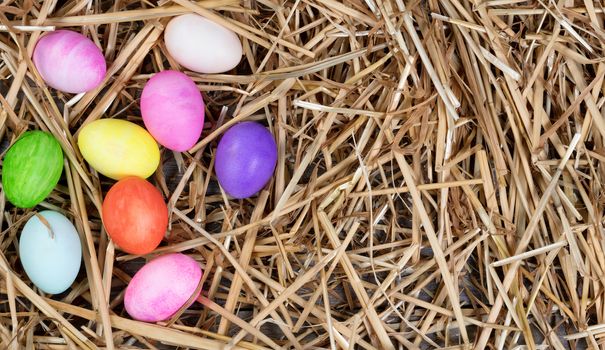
(161, 287)
(173, 110)
(69, 61)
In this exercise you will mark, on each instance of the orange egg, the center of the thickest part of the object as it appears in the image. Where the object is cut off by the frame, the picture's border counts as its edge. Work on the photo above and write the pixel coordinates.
(135, 215)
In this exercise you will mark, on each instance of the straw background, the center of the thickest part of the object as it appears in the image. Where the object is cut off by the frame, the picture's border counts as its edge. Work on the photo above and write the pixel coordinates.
(439, 181)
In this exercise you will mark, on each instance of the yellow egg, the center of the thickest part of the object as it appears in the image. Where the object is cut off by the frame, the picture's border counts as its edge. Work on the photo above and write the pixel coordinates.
(118, 148)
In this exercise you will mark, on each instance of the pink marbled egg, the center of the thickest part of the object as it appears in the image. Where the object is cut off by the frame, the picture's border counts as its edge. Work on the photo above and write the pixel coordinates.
(161, 287)
(69, 61)
(173, 110)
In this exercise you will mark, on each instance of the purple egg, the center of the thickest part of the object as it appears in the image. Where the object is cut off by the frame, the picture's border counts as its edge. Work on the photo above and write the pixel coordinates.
(245, 159)
(69, 61)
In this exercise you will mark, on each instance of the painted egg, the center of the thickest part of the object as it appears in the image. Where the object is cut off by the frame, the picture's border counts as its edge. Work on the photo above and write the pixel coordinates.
(70, 62)
(201, 45)
(135, 215)
(118, 148)
(161, 287)
(245, 159)
(50, 251)
(31, 168)
(173, 110)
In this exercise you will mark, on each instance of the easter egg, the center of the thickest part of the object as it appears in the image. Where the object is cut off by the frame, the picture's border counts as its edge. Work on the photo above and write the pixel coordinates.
(161, 287)
(118, 148)
(173, 110)
(31, 168)
(245, 159)
(135, 215)
(50, 251)
(68, 61)
(202, 45)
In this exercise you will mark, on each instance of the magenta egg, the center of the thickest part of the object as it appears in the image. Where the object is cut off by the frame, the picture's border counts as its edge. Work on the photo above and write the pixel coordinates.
(70, 62)
(245, 159)
(173, 110)
(161, 287)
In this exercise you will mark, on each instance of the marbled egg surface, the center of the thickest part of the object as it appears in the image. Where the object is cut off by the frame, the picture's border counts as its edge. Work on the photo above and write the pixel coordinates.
(31, 168)
(161, 287)
(173, 110)
(68, 61)
(135, 215)
(246, 157)
(118, 148)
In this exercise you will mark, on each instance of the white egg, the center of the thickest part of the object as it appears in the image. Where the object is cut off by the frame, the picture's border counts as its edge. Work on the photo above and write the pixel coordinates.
(201, 45)
(51, 257)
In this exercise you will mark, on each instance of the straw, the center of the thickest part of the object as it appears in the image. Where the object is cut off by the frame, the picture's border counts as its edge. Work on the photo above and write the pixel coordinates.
(439, 181)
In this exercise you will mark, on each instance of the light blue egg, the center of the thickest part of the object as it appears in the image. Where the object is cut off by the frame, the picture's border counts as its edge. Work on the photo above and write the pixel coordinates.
(51, 261)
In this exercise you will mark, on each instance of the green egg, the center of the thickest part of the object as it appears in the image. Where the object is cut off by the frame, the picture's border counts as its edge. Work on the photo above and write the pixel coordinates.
(31, 168)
